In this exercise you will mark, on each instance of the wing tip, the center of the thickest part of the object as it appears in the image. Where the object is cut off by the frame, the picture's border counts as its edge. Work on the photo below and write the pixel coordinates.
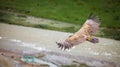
(94, 17)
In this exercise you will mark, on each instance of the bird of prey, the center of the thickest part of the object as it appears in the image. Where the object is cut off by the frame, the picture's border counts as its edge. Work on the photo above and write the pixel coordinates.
(86, 32)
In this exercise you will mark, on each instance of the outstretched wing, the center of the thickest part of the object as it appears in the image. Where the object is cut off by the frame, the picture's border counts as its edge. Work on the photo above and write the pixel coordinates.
(90, 26)
(93, 23)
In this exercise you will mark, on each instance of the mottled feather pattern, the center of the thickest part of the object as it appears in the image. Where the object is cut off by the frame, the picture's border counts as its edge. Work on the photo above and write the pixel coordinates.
(86, 32)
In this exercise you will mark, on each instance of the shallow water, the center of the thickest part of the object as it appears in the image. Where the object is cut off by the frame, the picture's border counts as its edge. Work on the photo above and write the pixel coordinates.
(23, 38)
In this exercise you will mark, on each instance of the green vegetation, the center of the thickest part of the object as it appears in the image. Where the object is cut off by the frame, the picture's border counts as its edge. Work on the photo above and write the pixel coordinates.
(71, 11)
(20, 19)
(65, 29)
(76, 64)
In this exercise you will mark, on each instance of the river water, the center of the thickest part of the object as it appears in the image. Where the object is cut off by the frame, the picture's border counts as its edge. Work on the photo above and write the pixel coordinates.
(31, 39)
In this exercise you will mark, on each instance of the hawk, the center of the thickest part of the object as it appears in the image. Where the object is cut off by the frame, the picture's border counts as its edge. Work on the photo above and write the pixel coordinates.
(86, 32)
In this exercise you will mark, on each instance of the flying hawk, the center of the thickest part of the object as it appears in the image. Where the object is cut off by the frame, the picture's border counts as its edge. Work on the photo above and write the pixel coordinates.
(86, 32)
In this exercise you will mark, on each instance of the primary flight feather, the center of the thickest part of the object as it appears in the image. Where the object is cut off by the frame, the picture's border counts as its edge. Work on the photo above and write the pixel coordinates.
(86, 32)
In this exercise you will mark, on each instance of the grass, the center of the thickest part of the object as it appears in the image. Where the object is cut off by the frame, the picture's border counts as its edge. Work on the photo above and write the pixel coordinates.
(12, 19)
(64, 29)
(20, 19)
(71, 11)
(76, 64)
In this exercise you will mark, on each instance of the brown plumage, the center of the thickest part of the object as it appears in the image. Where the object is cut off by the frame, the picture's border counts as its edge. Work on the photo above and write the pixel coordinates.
(86, 32)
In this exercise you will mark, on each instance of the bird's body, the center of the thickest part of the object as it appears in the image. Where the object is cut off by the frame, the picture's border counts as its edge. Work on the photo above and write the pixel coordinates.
(86, 32)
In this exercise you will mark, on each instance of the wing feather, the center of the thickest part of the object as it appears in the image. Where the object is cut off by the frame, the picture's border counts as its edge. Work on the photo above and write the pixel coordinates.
(90, 26)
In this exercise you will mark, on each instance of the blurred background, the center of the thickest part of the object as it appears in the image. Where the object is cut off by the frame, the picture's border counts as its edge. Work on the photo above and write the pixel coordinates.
(63, 15)
(32, 28)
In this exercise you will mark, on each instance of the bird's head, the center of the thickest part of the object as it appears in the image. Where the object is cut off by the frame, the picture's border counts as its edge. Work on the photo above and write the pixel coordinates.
(94, 40)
